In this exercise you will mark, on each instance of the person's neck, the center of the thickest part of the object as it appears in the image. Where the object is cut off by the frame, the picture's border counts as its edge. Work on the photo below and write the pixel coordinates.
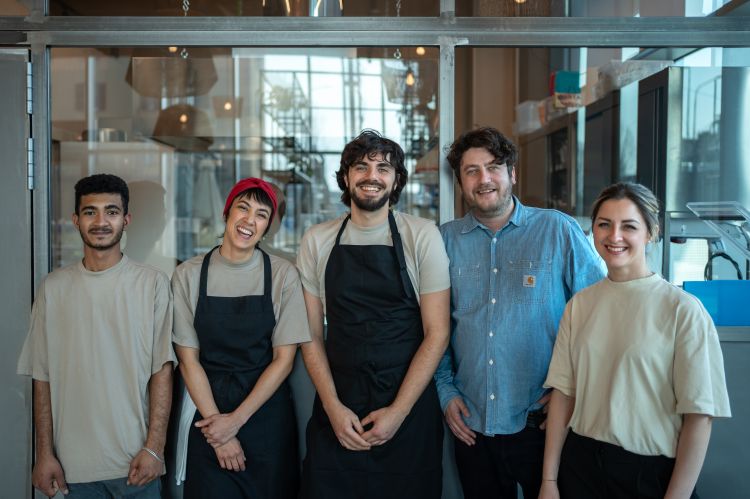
(236, 256)
(97, 260)
(628, 274)
(494, 222)
(364, 218)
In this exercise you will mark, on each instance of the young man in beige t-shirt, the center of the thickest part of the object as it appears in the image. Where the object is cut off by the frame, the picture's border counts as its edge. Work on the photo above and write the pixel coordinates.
(99, 352)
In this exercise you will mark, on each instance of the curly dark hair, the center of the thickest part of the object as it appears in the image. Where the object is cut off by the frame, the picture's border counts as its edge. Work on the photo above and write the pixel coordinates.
(370, 143)
(497, 144)
(102, 183)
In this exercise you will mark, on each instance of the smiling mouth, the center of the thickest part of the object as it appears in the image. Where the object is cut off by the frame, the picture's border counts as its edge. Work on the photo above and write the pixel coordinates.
(615, 249)
(244, 231)
(370, 187)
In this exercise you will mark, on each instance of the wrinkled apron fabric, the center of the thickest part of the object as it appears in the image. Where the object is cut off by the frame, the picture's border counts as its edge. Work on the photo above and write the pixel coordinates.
(235, 348)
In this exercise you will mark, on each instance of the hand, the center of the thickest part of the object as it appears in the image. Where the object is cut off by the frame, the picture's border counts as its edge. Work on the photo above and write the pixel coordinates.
(143, 468)
(544, 402)
(455, 412)
(347, 428)
(219, 428)
(231, 455)
(549, 490)
(385, 424)
(48, 476)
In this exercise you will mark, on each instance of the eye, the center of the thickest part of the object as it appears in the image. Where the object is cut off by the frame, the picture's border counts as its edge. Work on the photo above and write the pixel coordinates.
(470, 171)
(493, 168)
(602, 225)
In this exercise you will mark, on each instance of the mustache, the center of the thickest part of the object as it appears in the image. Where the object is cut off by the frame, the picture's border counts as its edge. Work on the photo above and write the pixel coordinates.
(100, 230)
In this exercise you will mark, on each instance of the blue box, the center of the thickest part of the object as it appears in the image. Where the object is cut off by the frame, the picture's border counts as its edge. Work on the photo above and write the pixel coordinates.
(728, 302)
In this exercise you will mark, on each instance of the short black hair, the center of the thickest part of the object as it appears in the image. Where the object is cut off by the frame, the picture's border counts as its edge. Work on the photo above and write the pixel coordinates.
(370, 143)
(102, 183)
(497, 144)
(259, 195)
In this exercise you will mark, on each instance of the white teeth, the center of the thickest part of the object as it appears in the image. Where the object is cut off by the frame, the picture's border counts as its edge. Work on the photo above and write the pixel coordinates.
(615, 249)
(245, 231)
(370, 188)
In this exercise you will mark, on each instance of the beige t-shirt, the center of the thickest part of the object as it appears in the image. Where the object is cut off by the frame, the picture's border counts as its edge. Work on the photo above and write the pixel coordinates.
(637, 355)
(97, 337)
(240, 279)
(426, 259)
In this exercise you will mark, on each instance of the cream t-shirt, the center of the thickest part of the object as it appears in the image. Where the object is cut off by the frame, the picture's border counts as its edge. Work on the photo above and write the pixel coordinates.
(426, 259)
(240, 279)
(97, 337)
(636, 356)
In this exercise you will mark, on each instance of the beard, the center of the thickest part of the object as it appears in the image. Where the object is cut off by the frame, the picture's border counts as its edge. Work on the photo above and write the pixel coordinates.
(500, 206)
(93, 244)
(369, 204)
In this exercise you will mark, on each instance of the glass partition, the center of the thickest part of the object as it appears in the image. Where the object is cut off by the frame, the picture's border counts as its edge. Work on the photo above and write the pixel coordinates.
(182, 125)
(599, 8)
(238, 8)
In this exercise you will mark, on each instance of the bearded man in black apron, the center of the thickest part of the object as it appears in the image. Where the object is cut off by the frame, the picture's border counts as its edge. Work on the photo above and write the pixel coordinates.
(381, 280)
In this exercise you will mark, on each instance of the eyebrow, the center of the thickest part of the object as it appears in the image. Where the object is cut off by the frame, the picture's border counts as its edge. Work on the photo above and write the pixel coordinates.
(485, 165)
(106, 207)
(629, 220)
(380, 163)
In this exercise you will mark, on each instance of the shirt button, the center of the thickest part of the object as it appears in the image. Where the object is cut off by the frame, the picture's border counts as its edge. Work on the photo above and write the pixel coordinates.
(494, 240)
(494, 270)
(492, 334)
(493, 301)
(492, 361)
(492, 396)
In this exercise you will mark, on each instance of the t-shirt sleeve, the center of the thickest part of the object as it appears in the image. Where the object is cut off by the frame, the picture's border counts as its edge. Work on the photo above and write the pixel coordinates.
(162, 347)
(33, 359)
(432, 261)
(183, 332)
(584, 265)
(291, 324)
(699, 382)
(560, 374)
(307, 260)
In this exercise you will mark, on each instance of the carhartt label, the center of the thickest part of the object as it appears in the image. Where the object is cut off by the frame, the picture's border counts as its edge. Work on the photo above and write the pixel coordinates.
(529, 281)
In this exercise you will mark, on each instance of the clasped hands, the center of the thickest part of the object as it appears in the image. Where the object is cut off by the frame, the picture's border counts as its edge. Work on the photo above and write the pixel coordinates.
(351, 432)
(220, 431)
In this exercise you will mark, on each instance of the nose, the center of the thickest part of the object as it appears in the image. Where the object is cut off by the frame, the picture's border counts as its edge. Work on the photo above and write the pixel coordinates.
(616, 233)
(484, 175)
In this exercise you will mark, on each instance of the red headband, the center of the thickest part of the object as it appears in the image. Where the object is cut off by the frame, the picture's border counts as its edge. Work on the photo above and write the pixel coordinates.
(250, 183)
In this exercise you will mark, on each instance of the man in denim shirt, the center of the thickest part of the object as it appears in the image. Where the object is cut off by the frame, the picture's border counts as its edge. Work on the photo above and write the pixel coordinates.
(513, 268)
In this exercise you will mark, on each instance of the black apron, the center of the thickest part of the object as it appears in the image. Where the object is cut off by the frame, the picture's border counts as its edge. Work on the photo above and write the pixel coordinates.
(374, 329)
(234, 334)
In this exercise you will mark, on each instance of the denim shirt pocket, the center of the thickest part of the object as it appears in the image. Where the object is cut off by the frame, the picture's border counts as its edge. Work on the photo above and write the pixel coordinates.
(465, 286)
(531, 280)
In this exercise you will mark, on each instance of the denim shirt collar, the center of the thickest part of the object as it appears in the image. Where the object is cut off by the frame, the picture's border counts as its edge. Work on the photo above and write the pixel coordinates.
(517, 218)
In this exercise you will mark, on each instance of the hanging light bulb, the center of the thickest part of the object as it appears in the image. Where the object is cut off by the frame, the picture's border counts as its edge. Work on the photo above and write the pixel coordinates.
(183, 118)
(172, 49)
(520, 1)
(227, 106)
(410, 80)
(420, 51)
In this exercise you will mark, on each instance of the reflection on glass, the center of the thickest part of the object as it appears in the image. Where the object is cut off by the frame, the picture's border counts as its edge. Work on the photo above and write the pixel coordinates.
(589, 8)
(181, 126)
(235, 8)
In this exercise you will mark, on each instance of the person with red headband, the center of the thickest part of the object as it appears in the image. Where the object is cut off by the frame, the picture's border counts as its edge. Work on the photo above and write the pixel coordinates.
(381, 280)
(237, 323)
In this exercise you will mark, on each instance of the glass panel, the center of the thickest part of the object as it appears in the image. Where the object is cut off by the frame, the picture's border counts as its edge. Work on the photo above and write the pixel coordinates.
(13, 8)
(598, 8)
(238, 8)
(182, 130)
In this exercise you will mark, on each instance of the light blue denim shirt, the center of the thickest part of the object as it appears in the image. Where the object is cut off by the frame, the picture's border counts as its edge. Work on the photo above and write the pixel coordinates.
(508, 293)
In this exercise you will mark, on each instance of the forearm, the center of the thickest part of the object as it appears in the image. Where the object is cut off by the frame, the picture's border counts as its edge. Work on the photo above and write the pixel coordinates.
(316, 363)
(436, 323)
(43, 419)
(196, 381)
(160, 402)
(420, 372)
(691, 451)
(268, 382)
(560, 410)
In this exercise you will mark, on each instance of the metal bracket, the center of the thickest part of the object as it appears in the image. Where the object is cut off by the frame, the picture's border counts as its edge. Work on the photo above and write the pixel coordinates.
(30, 163)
